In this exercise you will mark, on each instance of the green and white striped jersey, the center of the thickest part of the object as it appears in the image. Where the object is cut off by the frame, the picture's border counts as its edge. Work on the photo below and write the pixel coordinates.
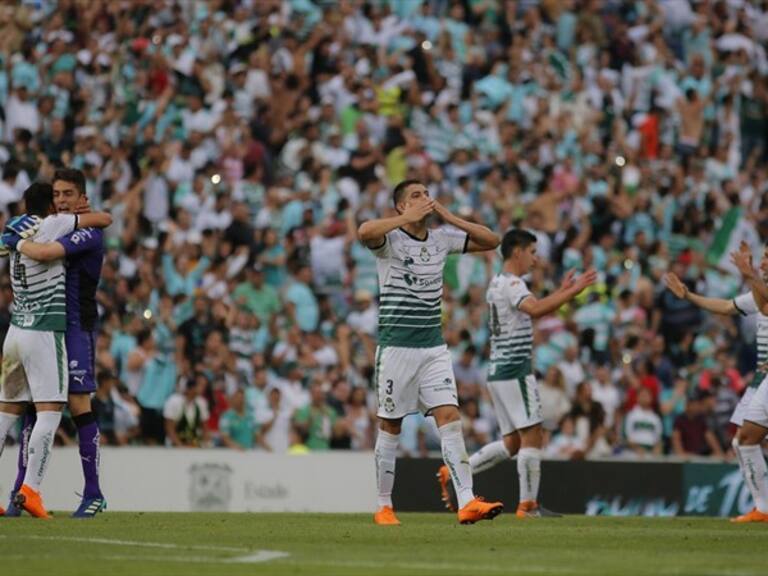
(39, 288)
(511, 329)
(411, 286)
(746, 306)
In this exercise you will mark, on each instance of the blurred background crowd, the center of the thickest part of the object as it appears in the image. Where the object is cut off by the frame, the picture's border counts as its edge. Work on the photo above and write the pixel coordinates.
(238, 144)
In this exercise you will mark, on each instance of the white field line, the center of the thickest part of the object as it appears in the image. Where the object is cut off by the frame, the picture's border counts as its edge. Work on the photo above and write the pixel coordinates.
(248, 556)
(496, 569)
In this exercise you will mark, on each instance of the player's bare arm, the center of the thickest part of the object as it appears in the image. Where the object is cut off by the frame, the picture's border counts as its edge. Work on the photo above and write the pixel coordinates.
(569, 289)
(480, 237)
(372, 233)
(743, 263)
(42, 252)
(94, 220)
(714, 305)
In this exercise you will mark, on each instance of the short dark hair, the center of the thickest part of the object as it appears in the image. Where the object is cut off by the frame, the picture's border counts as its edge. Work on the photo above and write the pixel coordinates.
(399, 191)
(72, 175)
(38, 199)
(516, 238)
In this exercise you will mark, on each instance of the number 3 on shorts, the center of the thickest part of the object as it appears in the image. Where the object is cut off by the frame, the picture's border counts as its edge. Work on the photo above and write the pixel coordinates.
(390, 387)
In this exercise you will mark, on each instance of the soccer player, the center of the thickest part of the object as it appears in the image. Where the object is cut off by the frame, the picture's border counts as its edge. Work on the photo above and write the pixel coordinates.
(754, 427)
(84, 253)
(413, 366)
(34, 355)
(744, 305)
(513, 387)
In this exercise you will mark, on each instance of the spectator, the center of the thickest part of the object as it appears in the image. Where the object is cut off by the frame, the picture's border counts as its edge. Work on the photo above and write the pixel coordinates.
(642, 426)
(554, 399)
(571, 369)
(186, 413)
(361, 419)
(317, 422)
(468, 374)
(692, 434)
(589, 420)
(566, 443)
(301, 303)
(275, 432)
(103, 407)
(237, 425)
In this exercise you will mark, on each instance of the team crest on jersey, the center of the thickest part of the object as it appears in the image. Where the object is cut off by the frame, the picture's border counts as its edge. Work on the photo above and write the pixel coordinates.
(424, 255)
(389, 405)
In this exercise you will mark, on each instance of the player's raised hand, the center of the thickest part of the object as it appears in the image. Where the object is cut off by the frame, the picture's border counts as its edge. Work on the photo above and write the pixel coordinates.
(84, 206)
(675, 285)
(568, 279)
(743, 261)
(25, 225)
(585, 280)
(417, 212)
(441, 210)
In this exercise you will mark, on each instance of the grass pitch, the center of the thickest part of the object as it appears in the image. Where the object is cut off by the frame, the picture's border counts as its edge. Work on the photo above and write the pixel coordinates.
(344, 544)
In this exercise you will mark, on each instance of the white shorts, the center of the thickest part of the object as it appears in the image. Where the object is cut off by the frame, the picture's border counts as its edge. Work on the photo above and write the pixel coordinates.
(741, 407)
(34, 367)
(517, 403)
(412, 380)
(757, 410)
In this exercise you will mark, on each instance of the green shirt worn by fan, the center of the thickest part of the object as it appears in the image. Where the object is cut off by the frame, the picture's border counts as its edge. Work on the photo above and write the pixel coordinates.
(320, 422)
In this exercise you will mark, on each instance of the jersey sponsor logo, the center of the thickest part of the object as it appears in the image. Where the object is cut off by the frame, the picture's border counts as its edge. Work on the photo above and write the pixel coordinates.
(410, 279)
(408, 261)
(81, 236)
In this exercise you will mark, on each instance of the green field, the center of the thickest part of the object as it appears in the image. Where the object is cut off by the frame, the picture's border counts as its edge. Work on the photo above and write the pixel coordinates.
(234, 544)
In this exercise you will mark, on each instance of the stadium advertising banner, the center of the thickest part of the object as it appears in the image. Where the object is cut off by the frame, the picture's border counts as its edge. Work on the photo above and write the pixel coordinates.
(596, 488)
(180, 480)
(714, 490)
(185, 480)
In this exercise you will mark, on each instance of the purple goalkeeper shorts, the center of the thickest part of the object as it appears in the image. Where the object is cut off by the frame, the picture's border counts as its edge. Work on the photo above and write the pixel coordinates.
(81, 350)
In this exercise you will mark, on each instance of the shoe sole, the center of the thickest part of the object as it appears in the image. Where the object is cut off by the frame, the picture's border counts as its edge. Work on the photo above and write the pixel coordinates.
(490, 515)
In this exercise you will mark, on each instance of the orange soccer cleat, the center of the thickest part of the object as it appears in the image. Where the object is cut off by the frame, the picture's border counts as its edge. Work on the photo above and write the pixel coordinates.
(528, 509)
(478, 510)
(31, 501)
(444, 479)
(386, 517)
(752, 516)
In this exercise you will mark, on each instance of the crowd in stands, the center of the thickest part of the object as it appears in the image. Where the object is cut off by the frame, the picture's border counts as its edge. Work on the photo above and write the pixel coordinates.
(238, 145)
